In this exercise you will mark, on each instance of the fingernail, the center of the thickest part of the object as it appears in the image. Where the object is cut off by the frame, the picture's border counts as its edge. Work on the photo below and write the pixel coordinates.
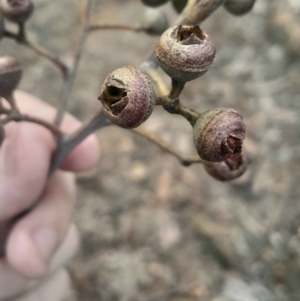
(46, 240)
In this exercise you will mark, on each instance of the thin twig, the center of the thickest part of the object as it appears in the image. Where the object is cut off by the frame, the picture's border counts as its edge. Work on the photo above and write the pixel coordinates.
(39, 51)
(97, 122)
(185, 160)
(96, 27)
(69, 80)
(160, 85)
(196, 11)
(177, 88)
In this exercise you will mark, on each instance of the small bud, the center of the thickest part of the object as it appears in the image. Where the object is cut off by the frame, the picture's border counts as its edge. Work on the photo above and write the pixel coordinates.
(154, 22)
(2, 134)
(17, 11)
(229, 169)
(239, 7)
(154, 3)
(128, 97)
(219, 134)
(179, 5)
(185, 52)
(10, 75)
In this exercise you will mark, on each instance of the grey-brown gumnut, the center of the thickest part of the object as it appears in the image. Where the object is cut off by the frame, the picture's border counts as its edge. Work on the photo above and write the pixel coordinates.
(239, 7)
(185, 52)
(229, 169)
(219, 134)
(128, 97)
(17, 11)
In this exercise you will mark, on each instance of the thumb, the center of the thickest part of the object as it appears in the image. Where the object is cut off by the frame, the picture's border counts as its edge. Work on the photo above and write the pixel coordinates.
(24, 162)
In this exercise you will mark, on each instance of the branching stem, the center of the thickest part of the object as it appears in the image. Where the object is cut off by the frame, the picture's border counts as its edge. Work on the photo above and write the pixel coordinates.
(97, 122)
(70, 76)
(185, 160)
(97, 27)
(38, 50)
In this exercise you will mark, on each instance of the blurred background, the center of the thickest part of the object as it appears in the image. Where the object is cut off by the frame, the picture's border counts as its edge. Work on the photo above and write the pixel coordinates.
(151, 229)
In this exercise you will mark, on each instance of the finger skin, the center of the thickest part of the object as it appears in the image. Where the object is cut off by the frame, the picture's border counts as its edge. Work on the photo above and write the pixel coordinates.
(85, 155)
(35, 238)
(9, 275)
(26, 153)
(56, 288)
(24, 163)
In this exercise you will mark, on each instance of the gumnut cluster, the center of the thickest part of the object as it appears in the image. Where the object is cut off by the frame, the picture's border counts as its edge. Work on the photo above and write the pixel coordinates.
(128, 97)
(185, 52)
(17, 11)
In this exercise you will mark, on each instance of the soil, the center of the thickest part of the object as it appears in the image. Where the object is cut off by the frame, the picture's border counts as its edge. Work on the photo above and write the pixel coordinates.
(151, 228)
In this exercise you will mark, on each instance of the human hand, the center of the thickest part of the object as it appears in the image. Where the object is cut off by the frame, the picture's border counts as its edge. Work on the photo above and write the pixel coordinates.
(42, 241)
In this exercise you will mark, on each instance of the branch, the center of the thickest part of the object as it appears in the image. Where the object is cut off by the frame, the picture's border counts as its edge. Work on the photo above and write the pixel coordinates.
(196, 11)
(97, 122)
(70, 77)
(39, 51)
(96, 27)
(185, 160)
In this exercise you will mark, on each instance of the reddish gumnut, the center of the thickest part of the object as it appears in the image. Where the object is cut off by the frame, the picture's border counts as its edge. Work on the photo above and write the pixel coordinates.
(239, 7)
(10, 75)
(219, 134)
(17, 11)
(128, 97)
(154, 3)
(229, 169)
(185, 52)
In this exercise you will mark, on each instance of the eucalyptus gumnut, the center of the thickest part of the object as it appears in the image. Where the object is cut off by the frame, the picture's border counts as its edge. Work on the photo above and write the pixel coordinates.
(185, 52)
(179, 5)
(229, 169)
(154, 21)
(239, 7)
(219, 134)
(154, 3)
(17, 11)
(10, 75)
(128, 97)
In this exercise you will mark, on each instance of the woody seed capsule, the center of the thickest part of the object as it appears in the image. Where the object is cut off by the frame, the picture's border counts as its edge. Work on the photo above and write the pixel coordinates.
(185, 52)
(219, 134)
(239, 7)
(229, 169)
(17, 11)
(128, 97)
